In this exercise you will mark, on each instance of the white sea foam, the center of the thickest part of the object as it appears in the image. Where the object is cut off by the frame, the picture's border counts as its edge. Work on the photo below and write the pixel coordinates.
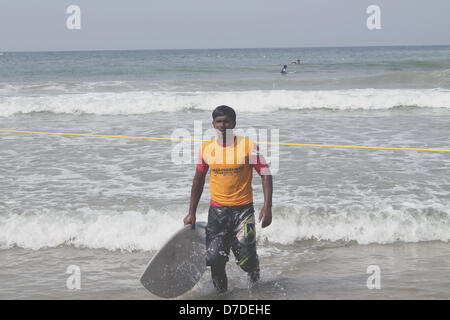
(409, 222)
(127, 231)
(143, 102)
(133, 230)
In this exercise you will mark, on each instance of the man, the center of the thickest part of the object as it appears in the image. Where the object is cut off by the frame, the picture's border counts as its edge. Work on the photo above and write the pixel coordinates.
(231, 220)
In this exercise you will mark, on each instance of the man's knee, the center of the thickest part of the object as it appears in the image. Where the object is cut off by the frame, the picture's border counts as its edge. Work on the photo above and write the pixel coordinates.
(249, 263)
(216, 258)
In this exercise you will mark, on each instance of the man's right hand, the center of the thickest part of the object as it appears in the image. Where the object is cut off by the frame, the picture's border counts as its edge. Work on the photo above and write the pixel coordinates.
(189, 219)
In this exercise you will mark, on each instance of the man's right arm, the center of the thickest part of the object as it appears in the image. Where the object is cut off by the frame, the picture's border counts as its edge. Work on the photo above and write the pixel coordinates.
(196, 193)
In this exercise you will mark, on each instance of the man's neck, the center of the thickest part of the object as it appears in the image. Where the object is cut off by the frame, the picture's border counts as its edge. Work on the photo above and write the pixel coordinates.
(225, 141)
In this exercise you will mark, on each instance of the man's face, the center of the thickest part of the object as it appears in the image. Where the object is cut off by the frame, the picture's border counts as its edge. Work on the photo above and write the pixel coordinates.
(221, 123)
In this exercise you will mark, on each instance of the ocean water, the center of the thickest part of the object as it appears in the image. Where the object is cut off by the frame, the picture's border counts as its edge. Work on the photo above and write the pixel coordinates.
(107, 204)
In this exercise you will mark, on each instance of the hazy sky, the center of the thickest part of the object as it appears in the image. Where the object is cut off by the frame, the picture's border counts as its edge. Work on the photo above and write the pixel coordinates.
(36, 25)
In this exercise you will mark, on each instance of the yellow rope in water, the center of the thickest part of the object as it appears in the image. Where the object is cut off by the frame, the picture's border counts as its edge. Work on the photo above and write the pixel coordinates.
(269, 143)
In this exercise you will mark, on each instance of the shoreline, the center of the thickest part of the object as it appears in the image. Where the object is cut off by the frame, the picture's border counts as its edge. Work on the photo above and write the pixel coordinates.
(307, 270)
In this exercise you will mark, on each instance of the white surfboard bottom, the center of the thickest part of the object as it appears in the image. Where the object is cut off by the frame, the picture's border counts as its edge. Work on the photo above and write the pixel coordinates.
(178, 265)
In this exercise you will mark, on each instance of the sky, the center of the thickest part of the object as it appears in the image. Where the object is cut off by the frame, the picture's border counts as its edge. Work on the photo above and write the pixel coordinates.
(40, 25)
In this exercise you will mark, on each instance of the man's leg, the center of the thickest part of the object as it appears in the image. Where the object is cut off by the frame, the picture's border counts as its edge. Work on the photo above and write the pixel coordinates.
(244, 242)
(219, 278)
(218, 245)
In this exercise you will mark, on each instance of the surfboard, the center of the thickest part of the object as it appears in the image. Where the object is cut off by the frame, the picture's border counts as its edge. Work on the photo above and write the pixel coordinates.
(178, 265)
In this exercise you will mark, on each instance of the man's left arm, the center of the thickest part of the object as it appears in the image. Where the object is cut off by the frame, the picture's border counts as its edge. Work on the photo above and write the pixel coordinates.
(259, 164)
(265, 216)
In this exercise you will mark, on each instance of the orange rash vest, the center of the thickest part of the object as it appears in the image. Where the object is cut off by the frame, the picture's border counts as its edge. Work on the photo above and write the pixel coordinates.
(231, 166)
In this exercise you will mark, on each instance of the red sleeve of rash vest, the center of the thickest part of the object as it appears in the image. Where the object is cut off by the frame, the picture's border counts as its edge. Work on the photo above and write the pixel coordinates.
(202, 166)
(258, 162)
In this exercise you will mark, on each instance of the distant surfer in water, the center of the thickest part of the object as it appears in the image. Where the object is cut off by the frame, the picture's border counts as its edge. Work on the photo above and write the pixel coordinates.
(231, 219)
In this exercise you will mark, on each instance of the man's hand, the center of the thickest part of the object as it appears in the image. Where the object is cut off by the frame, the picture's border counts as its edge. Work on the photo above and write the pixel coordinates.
(189, 219)
(265, 216)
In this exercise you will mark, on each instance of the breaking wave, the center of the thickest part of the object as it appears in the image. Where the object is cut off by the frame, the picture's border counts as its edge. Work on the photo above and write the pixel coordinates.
(143, 102)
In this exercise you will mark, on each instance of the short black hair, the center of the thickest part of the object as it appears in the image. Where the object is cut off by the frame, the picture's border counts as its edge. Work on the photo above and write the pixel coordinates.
(224, 111)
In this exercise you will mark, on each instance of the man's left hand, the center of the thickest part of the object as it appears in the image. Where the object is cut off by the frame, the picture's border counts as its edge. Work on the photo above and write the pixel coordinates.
(265, 216)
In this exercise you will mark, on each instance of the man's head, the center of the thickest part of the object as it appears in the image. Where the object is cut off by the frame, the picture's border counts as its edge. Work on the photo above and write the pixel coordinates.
(224, 118)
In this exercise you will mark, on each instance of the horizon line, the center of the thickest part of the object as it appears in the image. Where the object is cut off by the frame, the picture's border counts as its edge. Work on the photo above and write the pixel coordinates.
(224, 48)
